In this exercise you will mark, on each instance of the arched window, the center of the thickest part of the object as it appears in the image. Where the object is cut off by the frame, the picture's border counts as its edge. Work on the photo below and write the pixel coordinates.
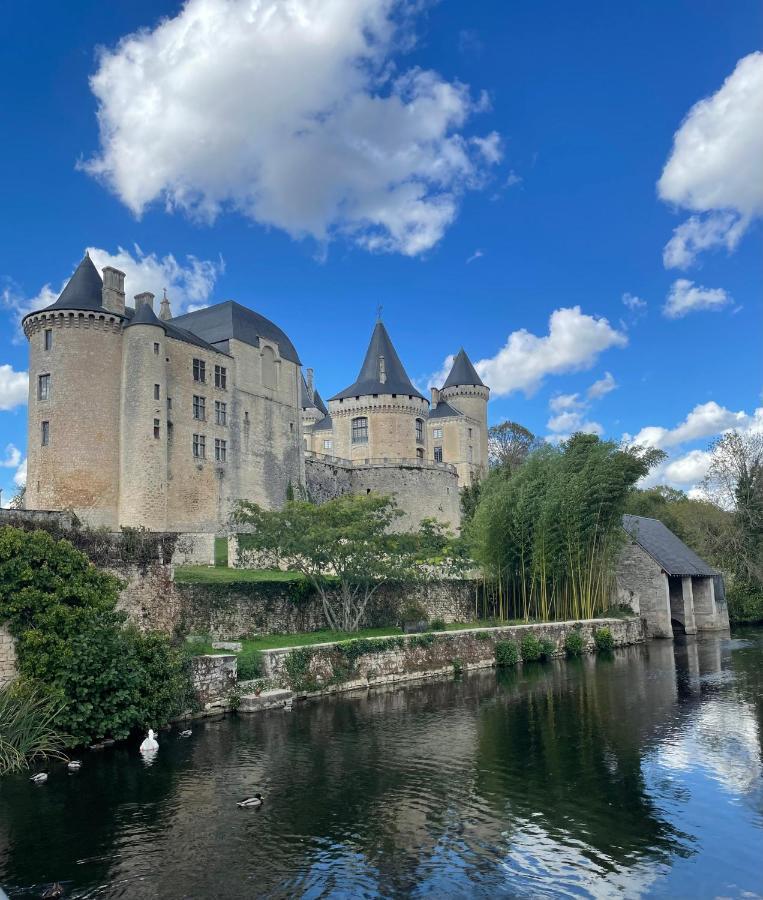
(268, 367)
(419, 431)
(360, 430)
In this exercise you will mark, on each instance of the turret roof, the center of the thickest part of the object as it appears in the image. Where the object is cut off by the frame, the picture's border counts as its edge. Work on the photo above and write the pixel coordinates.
(84, 290)
(373, 378)
(463, 372)
(316, 402)
(145, 315)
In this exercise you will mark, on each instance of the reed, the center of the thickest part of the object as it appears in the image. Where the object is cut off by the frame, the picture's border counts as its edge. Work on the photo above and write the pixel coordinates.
(28, 731)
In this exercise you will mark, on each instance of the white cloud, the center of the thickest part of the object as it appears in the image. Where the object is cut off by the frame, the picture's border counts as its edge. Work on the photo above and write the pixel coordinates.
(292, 114)
(560, 402)
(705, 420)
(512, 179)
(437, 379)
(12, 457)
(689, 468)
(478, 254)
(14, 387)
(567, 423)
(602, 386)
(189, 285)
(633, 302)
(714, 166)
(574, 342)
(19, 478)
(685, 297)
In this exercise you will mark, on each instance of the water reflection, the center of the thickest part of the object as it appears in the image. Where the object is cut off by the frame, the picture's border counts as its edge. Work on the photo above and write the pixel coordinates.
(632, 774)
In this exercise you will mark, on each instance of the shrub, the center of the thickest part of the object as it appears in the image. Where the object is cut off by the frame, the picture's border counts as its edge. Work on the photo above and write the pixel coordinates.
(413, 612)
(297, 666)
(547, 649)
(530, 648)
(506, 653)
(574, 644)
(437, 625)
(482, 636)
(603, 639)
(250, 665)
(458, 667)
(422, 640)
(745, 600)
(28, 726)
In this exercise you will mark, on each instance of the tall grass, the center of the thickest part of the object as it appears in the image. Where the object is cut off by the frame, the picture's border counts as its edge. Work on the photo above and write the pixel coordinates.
(28, 730)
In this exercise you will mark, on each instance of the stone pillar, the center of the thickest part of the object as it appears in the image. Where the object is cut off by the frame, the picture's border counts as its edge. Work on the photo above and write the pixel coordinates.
(705, 615)
(688, 598)
(660, 626)
(7, 656)
(681, 603)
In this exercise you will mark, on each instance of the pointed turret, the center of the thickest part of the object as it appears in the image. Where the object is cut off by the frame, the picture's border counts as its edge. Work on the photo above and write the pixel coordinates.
(463, 372)
(165, 311)
(381, 372)
(84, 290)
(145, 315)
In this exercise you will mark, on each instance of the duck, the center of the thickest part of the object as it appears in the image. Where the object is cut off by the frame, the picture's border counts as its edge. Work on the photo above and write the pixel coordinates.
(250, 801)
(55, 891)
(74, 765)
(39, 778)
(150, 742)
(186, 733)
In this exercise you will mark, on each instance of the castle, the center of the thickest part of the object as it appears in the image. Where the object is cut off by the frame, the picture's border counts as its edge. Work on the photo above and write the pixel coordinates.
(145, 420)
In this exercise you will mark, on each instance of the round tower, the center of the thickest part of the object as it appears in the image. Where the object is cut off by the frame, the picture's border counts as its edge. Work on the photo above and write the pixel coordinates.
(143, 449)
(75, 365)
(465, 391)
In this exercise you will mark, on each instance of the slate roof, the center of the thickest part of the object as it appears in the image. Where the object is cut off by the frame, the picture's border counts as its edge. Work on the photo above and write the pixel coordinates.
(462, 372)
(307, 403)
(145, 316)
(443, 410)
(230, 320)
(325, 424)
(84, 290)
(396, 380)
(666, 548)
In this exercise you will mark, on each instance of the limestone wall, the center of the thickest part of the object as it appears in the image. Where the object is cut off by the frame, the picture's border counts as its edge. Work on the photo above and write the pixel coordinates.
(643, 586)
(7, 656)
(212, 678)
(327, 479)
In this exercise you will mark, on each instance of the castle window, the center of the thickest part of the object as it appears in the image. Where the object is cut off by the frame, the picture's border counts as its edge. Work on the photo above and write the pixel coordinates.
(199, 407)
(170, 432)
(157, 390)
(221, 450)
(221, 413)
(419, 431)
(48, 338)
(471, 454)
(199, 371)
(470, 432)
(43, 387)
(221, 377)
(360, 430)
(156, 348)
(437, 434)
(328, 444)
(169, 403)
(157, 429)
(199, 446)
(438, 454)
(419, 453)
(44, 434)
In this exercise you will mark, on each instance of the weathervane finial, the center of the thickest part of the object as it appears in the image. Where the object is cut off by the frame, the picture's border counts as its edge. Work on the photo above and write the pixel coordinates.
(379, 309)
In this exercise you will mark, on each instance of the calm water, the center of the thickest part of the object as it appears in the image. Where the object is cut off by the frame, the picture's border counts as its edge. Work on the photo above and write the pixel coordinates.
(635, 775)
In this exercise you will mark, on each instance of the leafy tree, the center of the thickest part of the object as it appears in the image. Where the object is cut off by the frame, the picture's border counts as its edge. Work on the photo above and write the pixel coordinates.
(345, 548)
(470, 498)
(509, 444)
(17, 500)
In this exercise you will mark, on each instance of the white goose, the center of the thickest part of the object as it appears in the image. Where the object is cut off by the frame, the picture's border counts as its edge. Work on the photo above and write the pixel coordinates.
(150, 744)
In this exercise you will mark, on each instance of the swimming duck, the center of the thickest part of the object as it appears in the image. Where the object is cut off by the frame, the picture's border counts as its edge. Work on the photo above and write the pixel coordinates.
(186, 733)
(55, 891)
(251, 801)
(74, 765)
(150, 743)
(39, 778)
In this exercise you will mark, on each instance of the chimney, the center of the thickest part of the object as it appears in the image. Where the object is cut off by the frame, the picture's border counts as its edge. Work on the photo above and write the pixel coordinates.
(146, 298)
(164, 310)
(435, 396)
(113, 294)
(310, 385)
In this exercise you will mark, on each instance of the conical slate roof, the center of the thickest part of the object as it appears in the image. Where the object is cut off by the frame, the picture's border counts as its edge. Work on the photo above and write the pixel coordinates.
(463, 372)
(316, 402)
(145, 316)
(84, 290)
(381, 372)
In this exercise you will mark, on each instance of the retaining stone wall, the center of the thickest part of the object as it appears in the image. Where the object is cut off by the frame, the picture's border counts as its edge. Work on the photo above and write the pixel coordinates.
(213, 677)
(475, 648)
(7, 656)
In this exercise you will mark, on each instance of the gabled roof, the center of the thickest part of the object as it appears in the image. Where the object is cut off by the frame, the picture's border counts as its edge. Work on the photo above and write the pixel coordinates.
(230, 320)
(443, 410)
(84, 290)
(463, 372)
(381, 372)
(665, 548)
(307, 403)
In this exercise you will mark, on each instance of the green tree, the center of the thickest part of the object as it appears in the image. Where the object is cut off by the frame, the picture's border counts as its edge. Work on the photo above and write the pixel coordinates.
(345, 548)
(509, 444)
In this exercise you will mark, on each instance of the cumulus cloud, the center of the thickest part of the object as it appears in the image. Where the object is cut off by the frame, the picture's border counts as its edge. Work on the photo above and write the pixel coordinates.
(293, 114)
(19, 478)
(714, 166)
(12, 457)
(568, 423)
(574, 342)
(14, 387)
(689, 468)
(705, 420)
(685, 297)
(633, 302)
(189, 284)
(560, 402)
(601, 387)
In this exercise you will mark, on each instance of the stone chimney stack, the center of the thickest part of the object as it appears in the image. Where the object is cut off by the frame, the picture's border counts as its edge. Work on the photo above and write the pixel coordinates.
(164, 310)
(146, 298)
(113, 295)
(435, 396)
(310, 384)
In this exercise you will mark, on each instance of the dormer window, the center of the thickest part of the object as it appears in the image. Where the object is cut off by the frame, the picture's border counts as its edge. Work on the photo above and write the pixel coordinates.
(382, 371)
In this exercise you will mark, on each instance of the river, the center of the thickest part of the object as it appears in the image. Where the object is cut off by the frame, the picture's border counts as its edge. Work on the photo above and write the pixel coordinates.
(635, 775)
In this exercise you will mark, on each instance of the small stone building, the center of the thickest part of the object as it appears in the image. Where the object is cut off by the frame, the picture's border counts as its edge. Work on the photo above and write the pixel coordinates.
(666, 583)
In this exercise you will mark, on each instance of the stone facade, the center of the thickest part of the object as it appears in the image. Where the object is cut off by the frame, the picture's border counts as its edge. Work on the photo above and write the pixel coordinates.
(212, 678)
(7, 656)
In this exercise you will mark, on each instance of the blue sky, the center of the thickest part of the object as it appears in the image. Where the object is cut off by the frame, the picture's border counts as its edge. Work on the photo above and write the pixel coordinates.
(486, 172)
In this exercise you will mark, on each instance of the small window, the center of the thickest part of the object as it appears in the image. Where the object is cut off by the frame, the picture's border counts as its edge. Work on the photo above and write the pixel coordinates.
(438, 454)
(221, 450)
(470, 433)
(199, 446)
(246, 419)
(157, 429)
(291, 426)
(44, 434)
(43, 387)
(199, 407)
(437, 434)
(419, 453)
(157, 390)
(48, 338)
(169, 402)
(328, 444)
(471, 454)
(360, 430)
(221, 413)
(419, 431)
(170, 432)
(156, 348)
(221, 377)
(199, 371)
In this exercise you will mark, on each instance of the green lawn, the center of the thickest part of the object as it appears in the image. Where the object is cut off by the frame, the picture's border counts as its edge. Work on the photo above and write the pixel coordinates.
(220, 575)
